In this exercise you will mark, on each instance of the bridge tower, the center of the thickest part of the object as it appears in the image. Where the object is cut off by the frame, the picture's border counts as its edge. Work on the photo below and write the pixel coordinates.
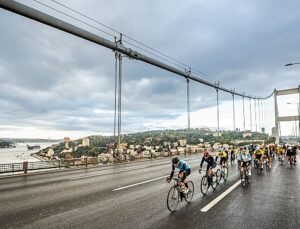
(285, 118)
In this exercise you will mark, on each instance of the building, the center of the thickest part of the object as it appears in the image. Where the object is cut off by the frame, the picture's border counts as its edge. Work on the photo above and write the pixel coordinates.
(86, 141)
(182, 142)
(67, 140)
(247, 134)
(50, 153)
(215, 134)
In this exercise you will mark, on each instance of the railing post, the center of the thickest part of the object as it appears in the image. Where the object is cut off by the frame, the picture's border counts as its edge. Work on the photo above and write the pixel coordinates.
(25, 166)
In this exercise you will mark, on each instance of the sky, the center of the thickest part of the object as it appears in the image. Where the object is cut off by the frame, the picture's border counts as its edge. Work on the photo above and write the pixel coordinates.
(53, 84)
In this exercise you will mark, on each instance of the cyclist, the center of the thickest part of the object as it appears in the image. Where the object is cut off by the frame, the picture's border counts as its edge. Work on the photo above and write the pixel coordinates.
(244, 161)
(281, 153)
(267, 156)
(291, 154)
(211, 164)
(223, 157)
(232, 155)
(295, 153)
(184, 171)
(258, 154)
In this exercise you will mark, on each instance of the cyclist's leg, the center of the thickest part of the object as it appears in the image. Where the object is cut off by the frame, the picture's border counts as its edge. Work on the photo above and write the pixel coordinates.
(185, 175)
(222, 162)
(181, 176)
(249, 169)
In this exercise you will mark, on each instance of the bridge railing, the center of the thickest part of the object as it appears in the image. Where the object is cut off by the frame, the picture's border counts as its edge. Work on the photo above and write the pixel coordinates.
(27, 166)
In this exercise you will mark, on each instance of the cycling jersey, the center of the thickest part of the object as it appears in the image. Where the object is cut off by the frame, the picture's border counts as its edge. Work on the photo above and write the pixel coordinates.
(210, 162)
(258, 154)
(245, 158)
(183, 166)
(222, 154)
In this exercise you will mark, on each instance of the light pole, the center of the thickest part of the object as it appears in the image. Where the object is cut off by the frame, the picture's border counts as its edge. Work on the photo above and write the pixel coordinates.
(289, 64)
(298, 104)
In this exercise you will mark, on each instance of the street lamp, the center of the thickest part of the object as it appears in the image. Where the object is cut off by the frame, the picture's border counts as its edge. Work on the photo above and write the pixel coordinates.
(289, 64)
(298, 104)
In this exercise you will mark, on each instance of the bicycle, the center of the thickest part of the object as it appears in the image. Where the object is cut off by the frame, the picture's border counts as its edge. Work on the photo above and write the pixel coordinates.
(207, 181)
(267, 162)
(258, 166)
(175, 193)
(281, 159)
(291, 160)
(223, 173)
(244, 173)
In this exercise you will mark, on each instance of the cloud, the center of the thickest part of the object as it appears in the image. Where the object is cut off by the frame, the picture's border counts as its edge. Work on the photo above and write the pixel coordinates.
(51, 80)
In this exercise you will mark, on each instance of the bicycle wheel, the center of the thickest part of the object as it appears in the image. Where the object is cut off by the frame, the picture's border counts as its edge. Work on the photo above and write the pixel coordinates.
(225, 173)
(258, 169)
(291, 162)
(189, 196)
(214, 181)
(204, 185)
(218, 174)
(173, 199)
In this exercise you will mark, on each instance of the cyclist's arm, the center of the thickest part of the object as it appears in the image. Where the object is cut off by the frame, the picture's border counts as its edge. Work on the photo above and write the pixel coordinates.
(183, 167)
(172, 173)
(202, 162)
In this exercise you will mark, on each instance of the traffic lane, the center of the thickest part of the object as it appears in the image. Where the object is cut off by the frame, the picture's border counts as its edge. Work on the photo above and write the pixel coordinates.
(140, 207)
(44, 185)
(62, 175)
(185, 215)
(73, 198)
(267, 200)
(79, 187)
(59, 196)
(265, 203)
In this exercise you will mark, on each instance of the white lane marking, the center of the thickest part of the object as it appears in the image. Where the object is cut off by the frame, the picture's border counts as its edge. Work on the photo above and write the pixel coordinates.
(143, 182)
(220, 197)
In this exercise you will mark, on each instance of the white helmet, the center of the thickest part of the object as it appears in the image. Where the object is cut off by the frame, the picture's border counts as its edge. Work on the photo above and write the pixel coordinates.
(257, 148)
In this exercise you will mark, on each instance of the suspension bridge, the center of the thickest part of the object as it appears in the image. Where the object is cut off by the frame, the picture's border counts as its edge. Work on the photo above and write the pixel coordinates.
(108, 197)
(257, 104)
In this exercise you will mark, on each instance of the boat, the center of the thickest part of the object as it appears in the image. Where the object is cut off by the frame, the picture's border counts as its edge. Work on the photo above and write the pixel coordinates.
(33, 147)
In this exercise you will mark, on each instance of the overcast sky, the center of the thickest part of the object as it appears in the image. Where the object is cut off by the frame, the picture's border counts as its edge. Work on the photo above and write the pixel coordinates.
(53, 84)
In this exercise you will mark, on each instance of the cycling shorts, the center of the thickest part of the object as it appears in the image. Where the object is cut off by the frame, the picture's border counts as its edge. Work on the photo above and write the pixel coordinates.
(258, 156)
(187, 172)
(223, 159)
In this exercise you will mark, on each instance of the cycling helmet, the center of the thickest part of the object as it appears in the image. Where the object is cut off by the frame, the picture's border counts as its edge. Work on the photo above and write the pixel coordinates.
(206, 154)
(257, 148)
(175, 160)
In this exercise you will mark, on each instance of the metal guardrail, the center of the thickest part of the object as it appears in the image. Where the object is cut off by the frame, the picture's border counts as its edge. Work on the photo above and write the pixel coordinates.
(11, 167)
(27, 166)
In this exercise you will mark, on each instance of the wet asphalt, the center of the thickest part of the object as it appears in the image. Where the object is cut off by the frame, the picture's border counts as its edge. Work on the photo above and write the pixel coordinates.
(87, 198)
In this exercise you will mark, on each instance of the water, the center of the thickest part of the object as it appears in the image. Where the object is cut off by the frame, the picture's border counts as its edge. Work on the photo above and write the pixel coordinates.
(20, 153)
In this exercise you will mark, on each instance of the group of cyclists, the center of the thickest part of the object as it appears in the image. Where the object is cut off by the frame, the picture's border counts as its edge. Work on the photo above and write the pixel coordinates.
(260, 154)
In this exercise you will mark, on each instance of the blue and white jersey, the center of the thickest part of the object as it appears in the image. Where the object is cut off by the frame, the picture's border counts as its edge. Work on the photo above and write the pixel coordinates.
(183, 166)
(245, 158)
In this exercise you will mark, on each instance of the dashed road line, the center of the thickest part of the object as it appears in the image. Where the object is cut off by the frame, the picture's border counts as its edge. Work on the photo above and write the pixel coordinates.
(143, 182)
(220, 197)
